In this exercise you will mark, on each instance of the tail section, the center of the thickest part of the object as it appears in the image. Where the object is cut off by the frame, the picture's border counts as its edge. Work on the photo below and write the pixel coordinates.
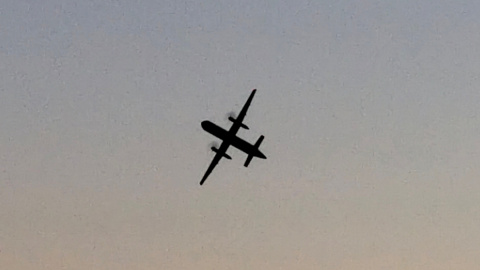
(256, 152)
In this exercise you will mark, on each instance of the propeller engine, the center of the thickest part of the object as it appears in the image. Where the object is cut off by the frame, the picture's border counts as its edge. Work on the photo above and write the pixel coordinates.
(233, 118)
(214, 147)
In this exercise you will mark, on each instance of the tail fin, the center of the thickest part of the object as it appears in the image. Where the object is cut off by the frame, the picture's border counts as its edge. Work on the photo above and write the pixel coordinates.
(250, 157)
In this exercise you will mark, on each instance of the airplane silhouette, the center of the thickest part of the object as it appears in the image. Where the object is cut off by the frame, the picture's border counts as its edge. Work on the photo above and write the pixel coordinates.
(230, 138)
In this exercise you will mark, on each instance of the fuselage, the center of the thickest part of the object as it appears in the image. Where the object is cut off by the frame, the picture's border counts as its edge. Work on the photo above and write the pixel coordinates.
(229, 138)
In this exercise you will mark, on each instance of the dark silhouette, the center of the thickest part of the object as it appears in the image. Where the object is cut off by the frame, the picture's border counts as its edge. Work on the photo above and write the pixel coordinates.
(230, 138)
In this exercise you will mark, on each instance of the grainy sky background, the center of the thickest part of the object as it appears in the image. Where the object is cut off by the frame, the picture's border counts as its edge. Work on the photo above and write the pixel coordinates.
(370, 111)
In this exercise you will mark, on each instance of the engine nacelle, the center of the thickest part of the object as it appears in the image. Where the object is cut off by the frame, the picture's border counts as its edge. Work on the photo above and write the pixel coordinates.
(214, 149)
(235, 120)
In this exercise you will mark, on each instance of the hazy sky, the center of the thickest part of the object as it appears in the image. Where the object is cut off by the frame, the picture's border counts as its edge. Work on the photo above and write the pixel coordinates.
(370, 111)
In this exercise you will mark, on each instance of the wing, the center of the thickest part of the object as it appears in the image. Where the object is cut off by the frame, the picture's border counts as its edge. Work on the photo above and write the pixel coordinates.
(243, 112)
(214, 163)
(219, 154)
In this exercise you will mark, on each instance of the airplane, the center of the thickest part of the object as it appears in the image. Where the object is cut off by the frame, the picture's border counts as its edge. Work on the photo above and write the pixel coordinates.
(230, 139)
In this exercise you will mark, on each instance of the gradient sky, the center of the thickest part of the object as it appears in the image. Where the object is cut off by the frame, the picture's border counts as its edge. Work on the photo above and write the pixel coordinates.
(370, 111)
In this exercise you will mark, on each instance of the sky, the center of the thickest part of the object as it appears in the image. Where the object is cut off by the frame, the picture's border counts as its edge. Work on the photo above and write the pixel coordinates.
(369, 111)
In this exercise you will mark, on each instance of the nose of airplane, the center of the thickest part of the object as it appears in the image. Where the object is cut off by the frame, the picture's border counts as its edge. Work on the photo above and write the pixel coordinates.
(261, 155)
(204, 124)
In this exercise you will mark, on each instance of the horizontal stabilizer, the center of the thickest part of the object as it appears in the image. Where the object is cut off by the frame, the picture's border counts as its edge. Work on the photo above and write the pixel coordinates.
(257, 145)
(235, 120)
(259, 141)
(225, 155)
(249, 158)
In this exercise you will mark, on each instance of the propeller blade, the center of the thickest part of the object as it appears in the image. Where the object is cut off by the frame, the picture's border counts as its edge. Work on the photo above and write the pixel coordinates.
(231, 114)
(213, 144)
